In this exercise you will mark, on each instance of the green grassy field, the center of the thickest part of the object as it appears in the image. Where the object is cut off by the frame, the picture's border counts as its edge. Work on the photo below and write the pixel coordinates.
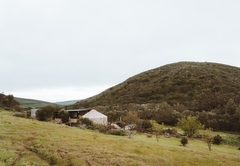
(24, 142)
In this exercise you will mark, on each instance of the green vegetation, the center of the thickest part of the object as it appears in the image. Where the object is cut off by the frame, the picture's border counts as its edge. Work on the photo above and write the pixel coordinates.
(184, 141)
(190, 125)
(208, 137)
(217, 139)
(30, 142)
(46, 113)
(188, 83)
(8, 101)
(64, 115)
(131, 118)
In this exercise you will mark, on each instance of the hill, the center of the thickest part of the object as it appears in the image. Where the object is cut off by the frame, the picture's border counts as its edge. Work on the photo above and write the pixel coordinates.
(210, 91)
(65, 103)
(27, 142)
(198, 86)
(26, 103)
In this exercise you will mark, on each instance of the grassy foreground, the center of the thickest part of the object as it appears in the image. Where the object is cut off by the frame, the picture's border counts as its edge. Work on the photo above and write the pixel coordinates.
(24, 142)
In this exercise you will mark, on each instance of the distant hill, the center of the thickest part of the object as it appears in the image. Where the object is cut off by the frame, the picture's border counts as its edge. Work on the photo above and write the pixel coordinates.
(197, 85)
(25, 103)
(65, 103)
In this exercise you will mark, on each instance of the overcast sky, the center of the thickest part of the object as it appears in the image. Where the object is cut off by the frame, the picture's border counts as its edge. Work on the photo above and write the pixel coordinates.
(57, 50)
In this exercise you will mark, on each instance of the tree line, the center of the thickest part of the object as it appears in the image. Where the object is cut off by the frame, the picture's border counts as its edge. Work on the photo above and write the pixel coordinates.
(225, 118)
(8, 101)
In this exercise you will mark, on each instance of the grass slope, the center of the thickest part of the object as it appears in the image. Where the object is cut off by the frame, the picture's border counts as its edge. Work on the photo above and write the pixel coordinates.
(25, 103)
(199, 86)
(28, 142)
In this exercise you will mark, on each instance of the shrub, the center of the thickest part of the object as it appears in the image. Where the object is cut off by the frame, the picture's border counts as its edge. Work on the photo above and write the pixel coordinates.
(118, 132)
(19, 114)
(85, 121)
(64, 115)
(46, 113)
(184, 141)
(28, 113)
(217, 139)
(144, 125)
(230, 140)
(121, 123)
(101, 128)
(170, 131)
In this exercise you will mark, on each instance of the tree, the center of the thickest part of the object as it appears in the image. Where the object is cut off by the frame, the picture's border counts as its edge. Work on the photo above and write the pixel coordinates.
(156, 128)
(113, 115)
(8, 101)
(131, 118)
(46, 113)
(164, 113)
(2, 96)
(208, 138)
(64, 115)
(144, 125)
(190, 125)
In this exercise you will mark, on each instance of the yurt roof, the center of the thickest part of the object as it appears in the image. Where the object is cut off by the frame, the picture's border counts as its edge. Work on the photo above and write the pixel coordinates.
(94, 114)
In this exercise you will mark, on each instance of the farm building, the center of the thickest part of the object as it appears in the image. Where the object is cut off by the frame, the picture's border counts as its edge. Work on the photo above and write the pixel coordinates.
(96, 117)
(73, 115)
(92, 114)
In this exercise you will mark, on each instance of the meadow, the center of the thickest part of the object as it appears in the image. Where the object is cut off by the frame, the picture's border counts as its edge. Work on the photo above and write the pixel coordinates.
(26, 142)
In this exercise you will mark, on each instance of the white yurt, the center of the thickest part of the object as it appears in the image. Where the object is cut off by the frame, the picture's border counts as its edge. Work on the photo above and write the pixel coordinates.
(96, 117)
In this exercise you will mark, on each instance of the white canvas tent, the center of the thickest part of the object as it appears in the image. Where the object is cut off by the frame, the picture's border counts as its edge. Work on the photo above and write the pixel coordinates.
(96, 117)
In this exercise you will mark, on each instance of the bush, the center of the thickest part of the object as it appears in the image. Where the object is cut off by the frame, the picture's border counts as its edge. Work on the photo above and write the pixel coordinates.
(28, 113)
(46, 113)
(144, 125)
(64, 115)
(101, 128)
(19, 114)
(85, 121)
(170, 131)
(184, 141)
(217, 139)
(118, 132)
(121, 124)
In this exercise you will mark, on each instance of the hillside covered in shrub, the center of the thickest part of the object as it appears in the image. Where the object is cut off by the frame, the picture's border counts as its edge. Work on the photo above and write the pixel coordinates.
(210, 91)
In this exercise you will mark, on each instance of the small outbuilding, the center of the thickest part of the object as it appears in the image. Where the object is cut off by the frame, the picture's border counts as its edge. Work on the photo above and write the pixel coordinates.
(96, 117)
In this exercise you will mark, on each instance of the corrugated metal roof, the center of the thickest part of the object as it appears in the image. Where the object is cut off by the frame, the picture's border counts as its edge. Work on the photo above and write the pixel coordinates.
(78, 110)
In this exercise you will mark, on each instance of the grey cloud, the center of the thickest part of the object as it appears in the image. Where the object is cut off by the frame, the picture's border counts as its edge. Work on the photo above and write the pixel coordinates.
(46, 44)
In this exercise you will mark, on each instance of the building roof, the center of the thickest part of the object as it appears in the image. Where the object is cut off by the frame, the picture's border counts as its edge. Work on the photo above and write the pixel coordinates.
(78, 110)
(94, 114)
